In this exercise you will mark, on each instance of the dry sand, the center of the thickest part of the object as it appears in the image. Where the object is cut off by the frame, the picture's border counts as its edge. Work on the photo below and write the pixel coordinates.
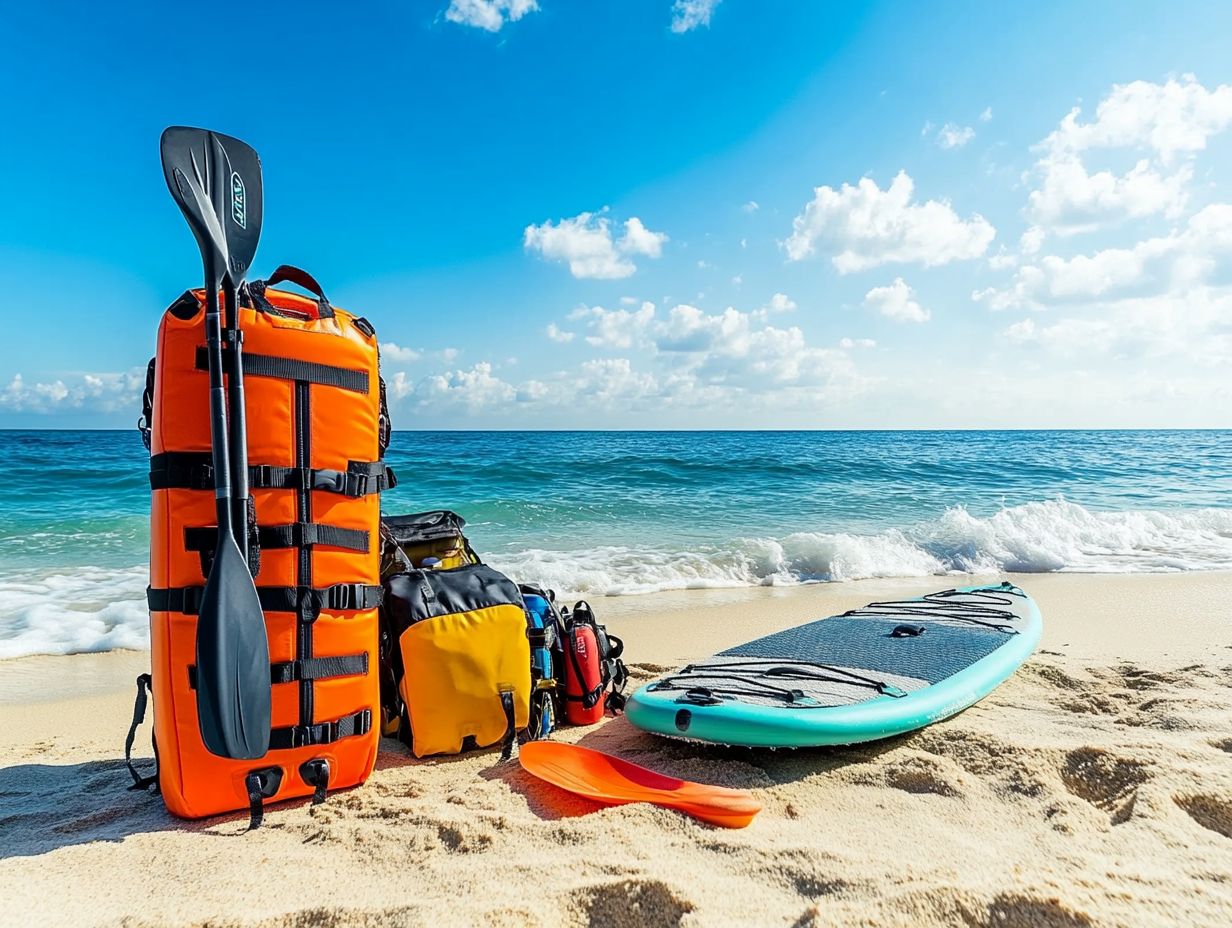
(1093, 788)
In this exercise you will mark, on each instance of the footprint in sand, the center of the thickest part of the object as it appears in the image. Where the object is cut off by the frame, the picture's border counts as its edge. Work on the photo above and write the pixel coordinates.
(1011, 909)
(651, 903)
(1108, 782)
(1213, 813)
(95, 819)
(812, 886)
(921, 775)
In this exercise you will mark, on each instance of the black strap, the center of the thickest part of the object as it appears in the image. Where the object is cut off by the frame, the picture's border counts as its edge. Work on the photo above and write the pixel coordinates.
(340, 597)
(293, 535)
(144, 682)
(194, 470)
(268, 365)
(320, 668)
(145, 424)
(261, 785)
(315, 773)
(298, 736)
(587, 698)
(299, 277)
(511, 725)
(616, 646)
(618, 673)
(256, 805)
(308, 668)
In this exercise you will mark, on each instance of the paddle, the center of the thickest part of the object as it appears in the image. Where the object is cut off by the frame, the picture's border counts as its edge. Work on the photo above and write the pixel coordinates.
(216, 181)
(613, 781)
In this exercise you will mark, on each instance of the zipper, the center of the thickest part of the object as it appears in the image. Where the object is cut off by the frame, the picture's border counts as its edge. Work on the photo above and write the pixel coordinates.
(303, 460)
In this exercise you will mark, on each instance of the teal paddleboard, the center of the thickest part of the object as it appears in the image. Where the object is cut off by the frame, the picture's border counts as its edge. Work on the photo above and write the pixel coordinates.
(883, 670)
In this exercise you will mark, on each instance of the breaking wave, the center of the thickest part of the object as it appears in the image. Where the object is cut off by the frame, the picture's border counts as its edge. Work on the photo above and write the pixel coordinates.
(49, 611)
(1055, 535)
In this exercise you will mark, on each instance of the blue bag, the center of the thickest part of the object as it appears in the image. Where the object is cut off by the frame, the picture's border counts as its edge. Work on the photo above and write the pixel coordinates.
(545, 634)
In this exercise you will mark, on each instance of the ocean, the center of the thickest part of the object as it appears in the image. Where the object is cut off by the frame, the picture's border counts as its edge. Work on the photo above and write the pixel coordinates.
(622, 513)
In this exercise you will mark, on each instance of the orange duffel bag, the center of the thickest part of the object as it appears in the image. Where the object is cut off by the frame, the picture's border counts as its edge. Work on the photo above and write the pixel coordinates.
(317, 432)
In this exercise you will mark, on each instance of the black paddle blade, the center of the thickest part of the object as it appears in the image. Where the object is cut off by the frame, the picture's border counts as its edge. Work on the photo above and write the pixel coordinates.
(216, 180)
(233, 665)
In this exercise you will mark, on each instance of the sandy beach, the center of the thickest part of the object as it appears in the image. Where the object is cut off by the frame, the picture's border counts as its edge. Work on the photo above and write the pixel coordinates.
(1093, 788)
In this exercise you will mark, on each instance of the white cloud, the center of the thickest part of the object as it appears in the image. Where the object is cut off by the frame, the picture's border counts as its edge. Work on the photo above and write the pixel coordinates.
(729, 348)
(897, 302)
(1032, 240)
(986, 116)
(488, 14)
(863, 226)
(586, 243)
(557, 334)
(615, 328)
(1164, 120)
(751, 206)
(1070, 200)
(952, 135)
(1002, 260)
(848, 343)
(101, 393)
(689, 14)
(1167, 263)
(1023, 331)
(1177, 116)
(614, 378)
(1190, 326)
(472, 389)
(781, 303)
(393, 352)
(638, 240)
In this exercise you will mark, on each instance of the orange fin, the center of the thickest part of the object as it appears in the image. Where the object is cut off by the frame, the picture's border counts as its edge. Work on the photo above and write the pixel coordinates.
(613, 781)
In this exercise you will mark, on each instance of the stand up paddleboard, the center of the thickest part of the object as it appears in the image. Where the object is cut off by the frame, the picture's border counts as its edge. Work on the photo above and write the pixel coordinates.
(883, 670)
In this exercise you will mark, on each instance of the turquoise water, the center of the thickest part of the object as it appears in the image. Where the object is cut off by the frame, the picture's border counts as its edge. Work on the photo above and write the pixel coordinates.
(634, 512)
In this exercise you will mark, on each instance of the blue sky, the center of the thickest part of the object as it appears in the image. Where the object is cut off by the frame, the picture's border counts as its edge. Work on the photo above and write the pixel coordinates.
(647, 214)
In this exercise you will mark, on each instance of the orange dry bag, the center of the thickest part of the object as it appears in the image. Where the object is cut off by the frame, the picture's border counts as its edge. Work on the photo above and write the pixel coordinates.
(317, 432)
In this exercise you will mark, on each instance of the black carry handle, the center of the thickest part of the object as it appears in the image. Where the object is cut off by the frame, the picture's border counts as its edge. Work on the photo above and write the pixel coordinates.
(288, 273)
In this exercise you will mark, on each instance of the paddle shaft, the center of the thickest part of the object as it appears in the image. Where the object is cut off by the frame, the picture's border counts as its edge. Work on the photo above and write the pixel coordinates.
(237, 418)
(218, 411)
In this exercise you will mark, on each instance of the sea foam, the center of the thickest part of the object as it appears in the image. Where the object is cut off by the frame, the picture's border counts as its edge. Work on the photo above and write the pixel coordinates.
(95, 609)
(72, 611)
(1032, 538)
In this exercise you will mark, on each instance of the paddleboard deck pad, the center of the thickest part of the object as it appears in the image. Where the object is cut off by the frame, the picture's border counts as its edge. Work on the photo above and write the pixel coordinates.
(875, 672)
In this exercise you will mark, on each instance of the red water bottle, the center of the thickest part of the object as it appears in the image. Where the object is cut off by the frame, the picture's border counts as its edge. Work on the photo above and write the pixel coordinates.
(583, 676)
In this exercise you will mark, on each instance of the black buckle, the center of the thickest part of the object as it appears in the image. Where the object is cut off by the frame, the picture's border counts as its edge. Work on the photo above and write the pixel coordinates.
(344, 596)
(325, 733)
(261, 475)
(333, 480)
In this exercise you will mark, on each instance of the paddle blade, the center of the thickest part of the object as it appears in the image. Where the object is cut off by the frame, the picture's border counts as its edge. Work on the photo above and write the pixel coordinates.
(216, 180)
(233, 666)
(613, 781)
